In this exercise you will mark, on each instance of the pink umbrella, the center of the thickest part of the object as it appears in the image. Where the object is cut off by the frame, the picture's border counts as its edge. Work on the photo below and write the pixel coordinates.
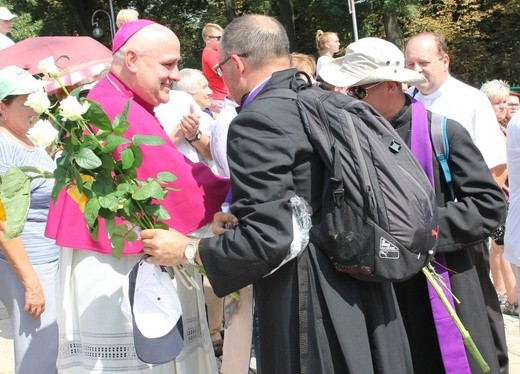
(78, 57)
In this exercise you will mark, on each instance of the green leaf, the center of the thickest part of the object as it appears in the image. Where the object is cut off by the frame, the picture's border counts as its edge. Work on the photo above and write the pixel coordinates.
(87, 159)
(102, 135)
(149, 190)
(109, 202)
(121, 229)
(96, 116)
(166, 176)
(78, 179)
(130, 207)
(110, 225)
(147, 140)
(127, 158)
(157, 211)
(108, 162)
(15, 190)
(112, 142)
(131, 236)
(94, 230)
(103, 185)
(106, 213)
(118, 245)
(126, 187)
(160, 225)
(91, 212)
(120, 123)
(56, 189)
(138, 154)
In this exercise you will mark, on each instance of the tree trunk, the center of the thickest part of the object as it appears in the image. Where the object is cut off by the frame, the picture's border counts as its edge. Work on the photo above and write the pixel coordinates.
(230, 10)
(79, 14)
(393, 30)
(286, 18)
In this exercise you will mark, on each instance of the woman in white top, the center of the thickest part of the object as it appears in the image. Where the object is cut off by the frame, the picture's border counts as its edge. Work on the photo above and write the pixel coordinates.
(327, 44)
(504, 281)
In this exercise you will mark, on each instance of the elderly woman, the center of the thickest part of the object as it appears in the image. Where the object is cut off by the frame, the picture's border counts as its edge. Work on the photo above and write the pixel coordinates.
(29, 274)
(498, 93)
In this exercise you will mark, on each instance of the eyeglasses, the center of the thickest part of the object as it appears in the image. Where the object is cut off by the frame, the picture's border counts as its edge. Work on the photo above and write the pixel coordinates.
(360, 92)
(217, 37)
(513, 105)
(218, 67)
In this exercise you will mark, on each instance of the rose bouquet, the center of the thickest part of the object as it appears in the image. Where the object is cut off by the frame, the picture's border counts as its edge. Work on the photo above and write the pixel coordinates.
(104, 186)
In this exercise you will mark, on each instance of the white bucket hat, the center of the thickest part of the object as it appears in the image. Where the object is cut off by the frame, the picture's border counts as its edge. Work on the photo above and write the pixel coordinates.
(6, 14)
(369, 60)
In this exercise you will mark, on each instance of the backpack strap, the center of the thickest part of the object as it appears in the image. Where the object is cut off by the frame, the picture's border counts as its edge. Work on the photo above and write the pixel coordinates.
(441, 147)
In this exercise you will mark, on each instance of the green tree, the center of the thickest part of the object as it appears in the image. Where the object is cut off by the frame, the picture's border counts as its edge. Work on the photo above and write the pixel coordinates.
(482, 34)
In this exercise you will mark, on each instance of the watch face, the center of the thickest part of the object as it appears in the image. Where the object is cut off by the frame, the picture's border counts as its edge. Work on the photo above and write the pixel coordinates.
(191, 251)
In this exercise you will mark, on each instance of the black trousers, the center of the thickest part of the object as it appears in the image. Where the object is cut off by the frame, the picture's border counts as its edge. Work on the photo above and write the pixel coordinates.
(496, 320)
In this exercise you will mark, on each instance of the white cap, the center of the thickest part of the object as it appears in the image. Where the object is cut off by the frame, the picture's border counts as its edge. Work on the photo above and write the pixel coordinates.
(6, 14)
(16, 81)
(151, 302)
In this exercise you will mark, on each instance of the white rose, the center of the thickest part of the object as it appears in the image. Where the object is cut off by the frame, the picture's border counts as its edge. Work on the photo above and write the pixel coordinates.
(71, 109)
(39, 101)
(48, 67)
(43, 133)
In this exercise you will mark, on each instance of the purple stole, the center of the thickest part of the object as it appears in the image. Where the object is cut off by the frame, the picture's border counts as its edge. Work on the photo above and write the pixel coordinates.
(450, 340)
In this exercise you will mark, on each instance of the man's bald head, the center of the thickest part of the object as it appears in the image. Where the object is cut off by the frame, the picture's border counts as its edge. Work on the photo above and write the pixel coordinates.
(147, 63)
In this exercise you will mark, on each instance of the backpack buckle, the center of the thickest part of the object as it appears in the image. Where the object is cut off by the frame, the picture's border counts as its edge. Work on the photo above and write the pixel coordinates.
(395, 147)
(338, 191)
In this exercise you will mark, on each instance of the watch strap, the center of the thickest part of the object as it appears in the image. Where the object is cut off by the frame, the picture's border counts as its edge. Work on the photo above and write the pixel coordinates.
(198, 135)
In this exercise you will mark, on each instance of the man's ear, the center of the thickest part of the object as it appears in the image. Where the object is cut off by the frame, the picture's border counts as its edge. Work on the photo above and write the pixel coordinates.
(239, 63)
(131, 59)
(393, 86)
(446, 61)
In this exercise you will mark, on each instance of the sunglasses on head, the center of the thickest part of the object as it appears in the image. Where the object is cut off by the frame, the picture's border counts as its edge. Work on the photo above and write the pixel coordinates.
(360, 92)
(217, 38)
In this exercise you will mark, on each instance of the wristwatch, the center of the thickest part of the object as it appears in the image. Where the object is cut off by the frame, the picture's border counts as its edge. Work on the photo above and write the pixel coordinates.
(191, 252)
(198, 135)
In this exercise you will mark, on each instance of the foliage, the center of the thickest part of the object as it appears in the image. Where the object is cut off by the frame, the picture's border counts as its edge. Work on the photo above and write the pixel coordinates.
(482, 34)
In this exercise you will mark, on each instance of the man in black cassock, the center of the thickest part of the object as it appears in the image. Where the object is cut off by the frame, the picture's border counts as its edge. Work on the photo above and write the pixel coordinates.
(373, 69)
(311, 318)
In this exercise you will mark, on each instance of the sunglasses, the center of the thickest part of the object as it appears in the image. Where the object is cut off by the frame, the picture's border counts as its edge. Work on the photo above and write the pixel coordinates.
(218, 67)
(360, 92)
(217, 38)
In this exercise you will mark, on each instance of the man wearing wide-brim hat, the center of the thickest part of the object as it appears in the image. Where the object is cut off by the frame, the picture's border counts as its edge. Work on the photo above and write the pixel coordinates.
(373, 70)
(6, 26)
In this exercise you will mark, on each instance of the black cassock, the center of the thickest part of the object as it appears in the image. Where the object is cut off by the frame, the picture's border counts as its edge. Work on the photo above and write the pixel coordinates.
(464, 224)
(352, 326)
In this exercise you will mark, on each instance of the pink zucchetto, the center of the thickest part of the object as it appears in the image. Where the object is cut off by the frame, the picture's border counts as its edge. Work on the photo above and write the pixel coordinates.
(127, 30)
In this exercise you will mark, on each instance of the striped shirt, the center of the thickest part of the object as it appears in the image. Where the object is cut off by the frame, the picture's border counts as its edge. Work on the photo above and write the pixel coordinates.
(39, 249)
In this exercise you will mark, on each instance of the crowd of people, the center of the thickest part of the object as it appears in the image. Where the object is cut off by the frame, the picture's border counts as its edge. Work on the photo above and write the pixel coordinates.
(241, 154)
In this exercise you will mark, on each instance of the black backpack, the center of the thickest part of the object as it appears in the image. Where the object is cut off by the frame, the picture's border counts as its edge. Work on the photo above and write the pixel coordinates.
(379, 214)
